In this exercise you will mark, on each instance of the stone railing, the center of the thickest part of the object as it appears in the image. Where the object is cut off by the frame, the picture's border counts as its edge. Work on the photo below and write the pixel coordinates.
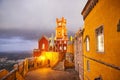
(3, 72)
(20, 69)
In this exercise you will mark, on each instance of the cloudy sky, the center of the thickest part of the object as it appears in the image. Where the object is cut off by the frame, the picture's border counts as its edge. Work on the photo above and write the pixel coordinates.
(22, 22)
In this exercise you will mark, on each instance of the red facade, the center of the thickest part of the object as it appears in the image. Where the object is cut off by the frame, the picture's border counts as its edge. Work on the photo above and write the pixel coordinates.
(36, 53)
(43, 44)
(61, 47)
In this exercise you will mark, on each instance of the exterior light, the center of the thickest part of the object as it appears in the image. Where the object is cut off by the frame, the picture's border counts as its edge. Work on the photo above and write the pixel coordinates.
(41, 58)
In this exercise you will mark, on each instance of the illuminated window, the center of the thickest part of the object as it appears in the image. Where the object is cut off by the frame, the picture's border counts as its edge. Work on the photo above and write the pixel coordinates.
(43, 46)
(64, 47)
(100, 39)
(88, 65)
(87, 40)
(64, 42)
(60, 48)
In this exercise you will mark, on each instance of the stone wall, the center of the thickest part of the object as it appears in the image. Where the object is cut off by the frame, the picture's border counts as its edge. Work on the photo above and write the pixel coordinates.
(19, 70)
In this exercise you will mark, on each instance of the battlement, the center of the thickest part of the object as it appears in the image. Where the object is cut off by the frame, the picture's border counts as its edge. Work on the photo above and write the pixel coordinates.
(20, 70)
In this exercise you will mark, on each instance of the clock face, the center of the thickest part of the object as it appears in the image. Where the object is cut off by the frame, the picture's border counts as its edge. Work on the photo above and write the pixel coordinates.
(59, 33)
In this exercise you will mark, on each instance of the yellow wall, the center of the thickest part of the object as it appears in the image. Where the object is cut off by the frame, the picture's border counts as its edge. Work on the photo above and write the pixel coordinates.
(106, 13)
(70, 48)
(59, 32)
(52, 56)
(97, 69)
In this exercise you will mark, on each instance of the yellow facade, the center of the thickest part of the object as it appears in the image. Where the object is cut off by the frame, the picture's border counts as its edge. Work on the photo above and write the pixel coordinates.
(70, 48)
(53, 57)
(70, 45)
(106, 64)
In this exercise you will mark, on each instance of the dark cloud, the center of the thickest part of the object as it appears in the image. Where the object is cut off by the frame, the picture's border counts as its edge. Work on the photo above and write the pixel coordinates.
(25, 21)
(27, 34)
(30, 19)
(24, 34)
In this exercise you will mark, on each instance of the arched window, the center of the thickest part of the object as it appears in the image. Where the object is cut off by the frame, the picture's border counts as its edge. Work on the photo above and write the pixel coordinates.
(64, 47)
(60, 48)
(87, 41)
(64, 42)
(43, 46)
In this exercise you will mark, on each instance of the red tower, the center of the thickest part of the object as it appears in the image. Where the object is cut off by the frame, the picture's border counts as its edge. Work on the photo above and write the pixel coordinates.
(43, 43)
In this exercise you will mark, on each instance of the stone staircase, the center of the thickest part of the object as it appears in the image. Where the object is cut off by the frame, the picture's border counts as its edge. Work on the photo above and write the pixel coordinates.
(59, 66)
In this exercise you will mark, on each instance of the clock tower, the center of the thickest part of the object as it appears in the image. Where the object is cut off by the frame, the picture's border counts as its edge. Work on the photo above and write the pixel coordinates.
(61, 37)
(61, 31)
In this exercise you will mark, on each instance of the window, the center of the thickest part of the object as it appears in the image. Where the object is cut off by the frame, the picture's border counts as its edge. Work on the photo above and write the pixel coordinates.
(99, 78)
(118, 26)
(64, 42)
(88, 65)
(60, 48)
(64, 47)
(100, 39)
(87, 43)
(43, 46)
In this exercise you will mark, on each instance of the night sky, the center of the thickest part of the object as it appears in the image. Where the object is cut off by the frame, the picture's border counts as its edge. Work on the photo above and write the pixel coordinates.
(22, 22)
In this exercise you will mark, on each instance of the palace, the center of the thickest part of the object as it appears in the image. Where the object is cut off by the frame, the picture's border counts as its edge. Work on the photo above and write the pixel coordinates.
(55, 44)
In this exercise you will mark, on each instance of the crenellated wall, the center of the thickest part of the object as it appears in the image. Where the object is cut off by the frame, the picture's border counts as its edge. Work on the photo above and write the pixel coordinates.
(19, 70)
(48, 59)
(3, 72)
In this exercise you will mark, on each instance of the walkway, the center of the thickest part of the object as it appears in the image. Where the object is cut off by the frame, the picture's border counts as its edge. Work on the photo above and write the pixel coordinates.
(49, 74)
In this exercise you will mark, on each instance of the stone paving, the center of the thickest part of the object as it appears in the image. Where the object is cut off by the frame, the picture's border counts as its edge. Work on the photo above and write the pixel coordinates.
(49, 74)
(59, 66)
